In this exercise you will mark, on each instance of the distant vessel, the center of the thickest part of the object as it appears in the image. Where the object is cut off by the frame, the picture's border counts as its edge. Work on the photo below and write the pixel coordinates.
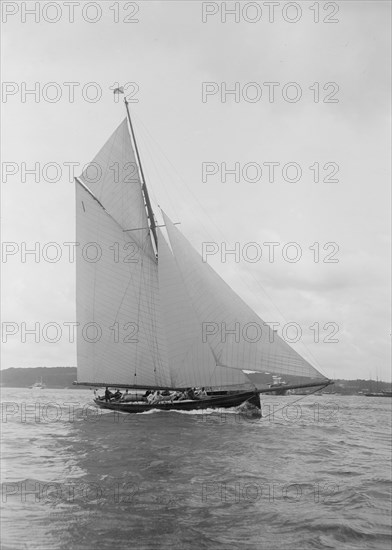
(38, 385)
(379, 394)
(316, 393)
(154, 309)
(279, 386)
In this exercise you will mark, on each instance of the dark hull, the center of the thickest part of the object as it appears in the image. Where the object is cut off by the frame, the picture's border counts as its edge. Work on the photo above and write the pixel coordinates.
(217, 402)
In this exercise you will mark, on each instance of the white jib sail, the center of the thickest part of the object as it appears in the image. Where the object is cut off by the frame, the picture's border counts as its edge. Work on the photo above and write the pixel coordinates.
(251, 345)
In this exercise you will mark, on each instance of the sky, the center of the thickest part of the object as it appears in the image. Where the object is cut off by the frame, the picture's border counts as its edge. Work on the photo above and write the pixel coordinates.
(334, 117)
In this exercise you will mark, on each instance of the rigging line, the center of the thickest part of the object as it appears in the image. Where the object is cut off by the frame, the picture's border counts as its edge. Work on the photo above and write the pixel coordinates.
(85, 188)
(296, 401)
(142, 278)
(132, 280)
(151, 310)
(138, 311)
(152, 155)
(148, 153)
(149, 325)
(151, 331)
(156, 152)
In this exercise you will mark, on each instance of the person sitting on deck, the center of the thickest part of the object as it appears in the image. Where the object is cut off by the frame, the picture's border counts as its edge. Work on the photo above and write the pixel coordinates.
(108, 394)
(181, 396)
(125, 396)
(154, 397)
(117, 395)
(157, 397)
(150, 397)
(166, 395)
(199, 393)
(146, 395)
(190, 394)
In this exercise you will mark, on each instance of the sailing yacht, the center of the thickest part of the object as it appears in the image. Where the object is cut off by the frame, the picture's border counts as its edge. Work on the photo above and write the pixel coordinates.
(148, 306)
(38, 385)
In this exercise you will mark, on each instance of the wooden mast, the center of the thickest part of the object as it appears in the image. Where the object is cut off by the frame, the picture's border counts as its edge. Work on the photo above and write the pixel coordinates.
(150, 212)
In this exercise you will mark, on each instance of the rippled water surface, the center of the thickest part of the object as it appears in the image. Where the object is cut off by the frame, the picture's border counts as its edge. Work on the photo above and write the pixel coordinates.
(313, 473)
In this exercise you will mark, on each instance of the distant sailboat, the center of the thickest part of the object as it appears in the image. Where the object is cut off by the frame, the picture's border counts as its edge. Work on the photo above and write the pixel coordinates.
(278, 385)
(378, 392)
(38, 385)
(144, 301)
(383, 393)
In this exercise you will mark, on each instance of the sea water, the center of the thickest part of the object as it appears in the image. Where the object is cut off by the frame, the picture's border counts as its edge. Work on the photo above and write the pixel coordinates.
(312, 473)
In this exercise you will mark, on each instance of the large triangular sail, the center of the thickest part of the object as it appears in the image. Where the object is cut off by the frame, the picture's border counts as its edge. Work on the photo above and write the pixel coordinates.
(238, 337)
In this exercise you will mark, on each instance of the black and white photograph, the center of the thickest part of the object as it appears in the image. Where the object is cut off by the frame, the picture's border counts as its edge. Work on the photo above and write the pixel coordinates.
(196, 275)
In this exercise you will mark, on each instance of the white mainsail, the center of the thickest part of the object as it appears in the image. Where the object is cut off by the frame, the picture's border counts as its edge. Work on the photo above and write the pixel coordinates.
(117, 295)
(142, 319)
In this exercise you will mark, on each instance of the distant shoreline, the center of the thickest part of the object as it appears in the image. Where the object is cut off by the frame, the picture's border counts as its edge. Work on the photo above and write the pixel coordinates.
(63, 378)
(76, 388)
(53, 377)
